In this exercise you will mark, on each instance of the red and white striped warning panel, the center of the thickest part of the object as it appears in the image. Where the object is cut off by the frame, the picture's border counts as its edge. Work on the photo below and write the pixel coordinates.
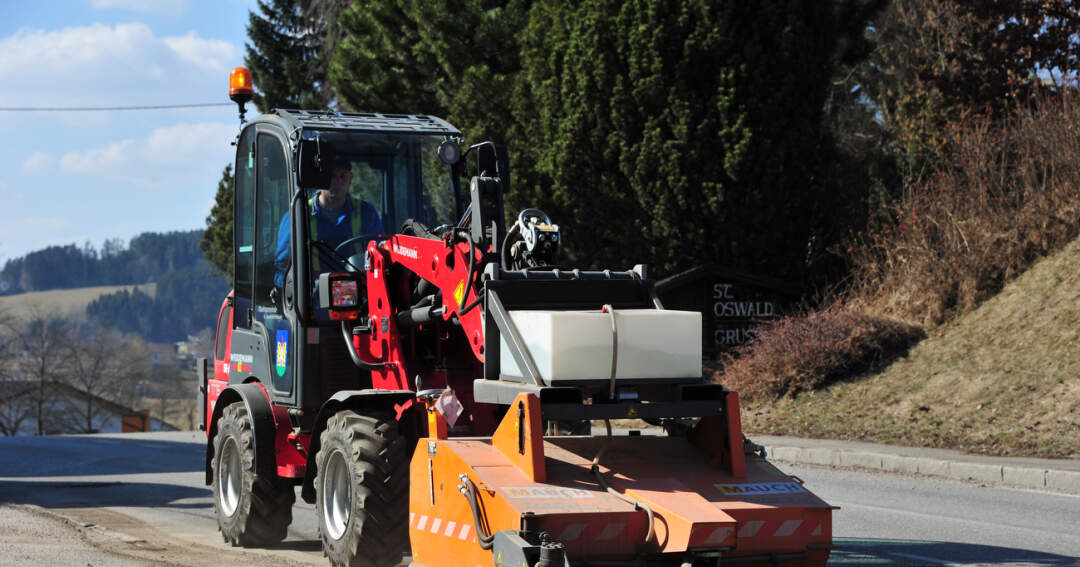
(438, 526)
(779, 528)
(580, 532)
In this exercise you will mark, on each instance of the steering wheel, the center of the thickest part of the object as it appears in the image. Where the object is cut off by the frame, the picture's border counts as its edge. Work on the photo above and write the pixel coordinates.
(354, 239)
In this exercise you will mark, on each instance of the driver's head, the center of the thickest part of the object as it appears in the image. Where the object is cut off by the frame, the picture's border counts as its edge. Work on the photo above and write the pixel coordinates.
(340, 180)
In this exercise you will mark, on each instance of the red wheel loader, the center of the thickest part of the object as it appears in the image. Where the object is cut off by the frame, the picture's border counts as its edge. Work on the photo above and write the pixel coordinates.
(417, 381)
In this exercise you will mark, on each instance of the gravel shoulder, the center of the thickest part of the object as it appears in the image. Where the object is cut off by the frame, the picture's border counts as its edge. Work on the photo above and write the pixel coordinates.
(32, 536)
(96, 537)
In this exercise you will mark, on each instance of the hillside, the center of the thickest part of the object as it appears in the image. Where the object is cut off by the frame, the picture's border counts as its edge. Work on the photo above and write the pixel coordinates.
(144, 259)
(110, 289)
(67, 302)
(1002, 380)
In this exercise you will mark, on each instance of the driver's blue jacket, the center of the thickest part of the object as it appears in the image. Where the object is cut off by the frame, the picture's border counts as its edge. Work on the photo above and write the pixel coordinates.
(332, 227)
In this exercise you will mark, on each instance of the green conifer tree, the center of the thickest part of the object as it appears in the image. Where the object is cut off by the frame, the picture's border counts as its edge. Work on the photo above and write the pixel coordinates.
(217, 239)
(457, 60)
(680, 132)
(284, 56)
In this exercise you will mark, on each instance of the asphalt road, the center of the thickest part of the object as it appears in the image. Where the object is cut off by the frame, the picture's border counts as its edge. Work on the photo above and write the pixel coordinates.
(140, 499)
(889, 519)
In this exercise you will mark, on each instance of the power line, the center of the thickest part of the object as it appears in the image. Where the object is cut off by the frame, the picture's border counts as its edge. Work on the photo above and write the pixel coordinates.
(109, 108)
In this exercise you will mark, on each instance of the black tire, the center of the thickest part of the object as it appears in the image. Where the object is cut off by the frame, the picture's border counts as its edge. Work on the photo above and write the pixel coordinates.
(362, 490)
(251, 511)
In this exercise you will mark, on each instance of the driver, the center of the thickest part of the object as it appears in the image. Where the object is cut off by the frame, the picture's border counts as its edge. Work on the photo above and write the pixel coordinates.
(334, 219)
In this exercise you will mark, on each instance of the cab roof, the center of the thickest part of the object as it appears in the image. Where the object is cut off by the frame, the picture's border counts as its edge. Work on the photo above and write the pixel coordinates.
(328, 120)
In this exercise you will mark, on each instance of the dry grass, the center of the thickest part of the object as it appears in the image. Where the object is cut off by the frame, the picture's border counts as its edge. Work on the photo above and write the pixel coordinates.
(960, 254)
(1003, 379)
(65, 302)
(805, 352)
(1003, 197)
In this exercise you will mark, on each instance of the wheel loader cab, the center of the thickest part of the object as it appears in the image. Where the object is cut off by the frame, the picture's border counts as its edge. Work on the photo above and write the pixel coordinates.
(312, 191)
(360, 187)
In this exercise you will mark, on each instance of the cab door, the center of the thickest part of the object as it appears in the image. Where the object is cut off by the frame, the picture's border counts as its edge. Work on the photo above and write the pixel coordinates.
(264, 339)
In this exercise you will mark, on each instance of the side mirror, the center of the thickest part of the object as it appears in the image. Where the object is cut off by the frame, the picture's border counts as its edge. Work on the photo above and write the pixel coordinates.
(313, 167)
(491, 161)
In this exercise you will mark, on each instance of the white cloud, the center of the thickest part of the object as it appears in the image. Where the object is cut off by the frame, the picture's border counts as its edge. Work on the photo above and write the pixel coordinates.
(212, 54)
(112, 65)
(168, 151)
(97, 160)
(38, 162)
(176, 142)
(36, 52)
(167, 7)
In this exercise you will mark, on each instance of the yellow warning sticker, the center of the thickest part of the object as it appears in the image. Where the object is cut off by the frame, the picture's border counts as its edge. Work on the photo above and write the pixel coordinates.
(459, 292)
(631, 412)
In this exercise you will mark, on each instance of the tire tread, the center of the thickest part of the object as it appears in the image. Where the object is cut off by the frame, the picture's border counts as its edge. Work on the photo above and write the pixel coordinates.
(378, 530)
(264, 512)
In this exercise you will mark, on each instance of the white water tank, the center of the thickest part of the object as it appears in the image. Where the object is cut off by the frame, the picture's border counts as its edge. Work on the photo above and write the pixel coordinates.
(576, 346)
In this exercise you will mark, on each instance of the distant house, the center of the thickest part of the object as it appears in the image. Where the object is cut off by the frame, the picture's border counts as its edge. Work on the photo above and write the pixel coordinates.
(183, 353)
(162, 353)
(65, 412)
(194, 347)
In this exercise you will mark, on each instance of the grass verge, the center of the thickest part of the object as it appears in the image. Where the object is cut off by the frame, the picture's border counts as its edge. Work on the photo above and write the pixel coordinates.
(1004, 379)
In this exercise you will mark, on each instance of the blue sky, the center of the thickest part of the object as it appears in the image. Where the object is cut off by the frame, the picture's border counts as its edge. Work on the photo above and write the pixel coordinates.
(73, 177)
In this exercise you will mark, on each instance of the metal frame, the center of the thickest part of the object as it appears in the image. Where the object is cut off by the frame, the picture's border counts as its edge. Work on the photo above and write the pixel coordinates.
(365, 122)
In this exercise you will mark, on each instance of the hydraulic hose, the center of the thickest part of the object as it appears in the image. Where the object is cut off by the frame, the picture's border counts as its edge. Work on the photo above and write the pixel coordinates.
(638, 505)
(614, 351)
(466, 488)
(469, 277)
(360, 363)
(418, 316)
(502, 249)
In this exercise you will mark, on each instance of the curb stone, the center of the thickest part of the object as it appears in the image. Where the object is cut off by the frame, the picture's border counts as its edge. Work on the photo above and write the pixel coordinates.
(989, 474)
(1065, 481)
(964, 468)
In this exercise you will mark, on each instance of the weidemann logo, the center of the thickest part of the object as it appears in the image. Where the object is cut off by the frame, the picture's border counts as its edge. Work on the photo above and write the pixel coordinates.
(406, 252)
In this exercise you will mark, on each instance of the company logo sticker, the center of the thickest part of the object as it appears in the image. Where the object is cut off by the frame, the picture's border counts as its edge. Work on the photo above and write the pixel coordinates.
(241, 362)
(760, 488)
(282, 351)
(406, 252)
(544, 492)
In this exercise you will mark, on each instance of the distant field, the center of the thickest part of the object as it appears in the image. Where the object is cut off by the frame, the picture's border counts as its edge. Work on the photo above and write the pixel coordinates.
(69, 302)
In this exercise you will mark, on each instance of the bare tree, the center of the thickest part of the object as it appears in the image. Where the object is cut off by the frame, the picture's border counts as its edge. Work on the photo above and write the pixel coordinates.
(133, 363)
(40, 342)
(95, 369)
(16, 406)
(15, 400)
(167, 386)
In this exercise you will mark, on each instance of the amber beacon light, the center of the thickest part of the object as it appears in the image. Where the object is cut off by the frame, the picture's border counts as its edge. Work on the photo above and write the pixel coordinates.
(240, 88)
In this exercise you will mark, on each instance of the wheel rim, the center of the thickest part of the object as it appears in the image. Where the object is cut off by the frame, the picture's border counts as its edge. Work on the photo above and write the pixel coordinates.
(229, 477)
(337, 495)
